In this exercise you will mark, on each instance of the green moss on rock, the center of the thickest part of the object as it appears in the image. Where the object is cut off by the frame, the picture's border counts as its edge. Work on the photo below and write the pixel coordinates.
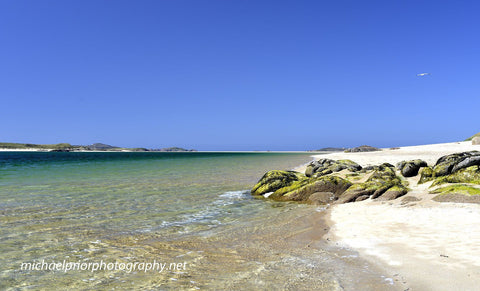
(333, 184)
(467, 175)
(457, 189)
(426, 174)
(326, 166)
(379, 183)
(274, 180)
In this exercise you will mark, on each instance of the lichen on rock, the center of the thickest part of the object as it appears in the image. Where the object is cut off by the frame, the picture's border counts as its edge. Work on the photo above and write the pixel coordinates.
(276, 179)
(327, 166)
(467, 175)
(332, 184)
(457, 189)
(383, 181)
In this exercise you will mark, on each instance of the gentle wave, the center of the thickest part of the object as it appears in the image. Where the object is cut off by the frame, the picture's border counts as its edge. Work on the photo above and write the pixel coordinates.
(213, 211)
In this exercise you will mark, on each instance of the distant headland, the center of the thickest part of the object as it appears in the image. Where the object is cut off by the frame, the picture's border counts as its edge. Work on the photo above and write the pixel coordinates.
(66, 147)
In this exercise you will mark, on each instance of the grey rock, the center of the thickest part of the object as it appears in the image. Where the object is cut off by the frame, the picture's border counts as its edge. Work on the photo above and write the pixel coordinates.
(410, 168)
(321, 198)
(363, 148)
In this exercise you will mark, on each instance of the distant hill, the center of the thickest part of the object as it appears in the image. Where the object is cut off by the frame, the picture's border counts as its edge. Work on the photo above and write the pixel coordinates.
(470, 138)
(101, 147)
(66, 147)
(58, 146)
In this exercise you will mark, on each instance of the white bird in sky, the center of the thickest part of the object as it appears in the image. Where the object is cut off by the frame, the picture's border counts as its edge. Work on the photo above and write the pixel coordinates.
(423, 74)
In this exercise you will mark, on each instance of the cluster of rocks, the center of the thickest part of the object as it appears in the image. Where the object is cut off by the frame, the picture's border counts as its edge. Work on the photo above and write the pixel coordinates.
(454, 168)
(320, 185)
(383, 184)
(341, 181)
(363, 148)
(326, 166)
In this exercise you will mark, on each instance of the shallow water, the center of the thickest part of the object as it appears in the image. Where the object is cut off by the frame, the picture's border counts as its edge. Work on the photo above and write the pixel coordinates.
(190, 211)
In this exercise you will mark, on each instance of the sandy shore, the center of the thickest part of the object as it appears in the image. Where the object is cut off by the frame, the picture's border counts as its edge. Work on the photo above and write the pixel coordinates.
(425, 244)
(22, 150)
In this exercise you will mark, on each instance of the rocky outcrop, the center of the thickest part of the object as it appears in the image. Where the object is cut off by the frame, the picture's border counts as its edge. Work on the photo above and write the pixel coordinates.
(450, 164)
(363, 148)
(460, 172)
(410, 168)
(326, 186)
(326, 166)
(326, 182)
(476, 140)
(383, 184)
(274, 180)
(469, 175)
(333, 185)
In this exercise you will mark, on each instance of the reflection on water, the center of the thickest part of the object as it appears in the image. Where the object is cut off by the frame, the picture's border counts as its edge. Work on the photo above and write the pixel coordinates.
(172, 208)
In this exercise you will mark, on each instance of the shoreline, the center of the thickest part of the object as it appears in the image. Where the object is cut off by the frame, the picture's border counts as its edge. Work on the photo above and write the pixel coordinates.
(422, 244)
(131, 151)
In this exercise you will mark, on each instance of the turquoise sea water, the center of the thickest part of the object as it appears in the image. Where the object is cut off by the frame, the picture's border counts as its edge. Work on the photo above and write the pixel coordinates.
(192, 209)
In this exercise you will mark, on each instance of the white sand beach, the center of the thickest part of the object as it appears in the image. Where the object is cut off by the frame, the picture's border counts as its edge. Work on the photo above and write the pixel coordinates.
(22, 150)
(424, 244)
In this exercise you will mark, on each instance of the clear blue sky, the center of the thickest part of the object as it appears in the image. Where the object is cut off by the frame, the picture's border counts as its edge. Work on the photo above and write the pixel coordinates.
(239, 75)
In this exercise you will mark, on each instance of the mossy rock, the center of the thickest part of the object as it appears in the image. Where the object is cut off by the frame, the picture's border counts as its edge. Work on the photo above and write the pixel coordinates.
(449, 164)
(457, 194)
(426, 174)
(292, 187)
(467, 175)
(382, 181)
(327, 166)
(393, 193)
(301, 191)
(411, 168)
(457, 189)
(274, 180)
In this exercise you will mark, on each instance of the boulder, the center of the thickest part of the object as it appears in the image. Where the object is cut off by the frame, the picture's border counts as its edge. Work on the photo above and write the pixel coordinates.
(426, 174)
(393, 193)
(454, 168)
(410, 168)
(274, 180)
(449, 164)
(326, 166)
(306, 188)
(468, 175)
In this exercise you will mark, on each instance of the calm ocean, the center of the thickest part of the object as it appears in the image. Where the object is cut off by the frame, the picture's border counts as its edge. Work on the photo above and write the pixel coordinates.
(192, 211)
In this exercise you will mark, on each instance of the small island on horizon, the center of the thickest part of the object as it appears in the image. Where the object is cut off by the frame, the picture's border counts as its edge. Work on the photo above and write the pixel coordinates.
(66, 147)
